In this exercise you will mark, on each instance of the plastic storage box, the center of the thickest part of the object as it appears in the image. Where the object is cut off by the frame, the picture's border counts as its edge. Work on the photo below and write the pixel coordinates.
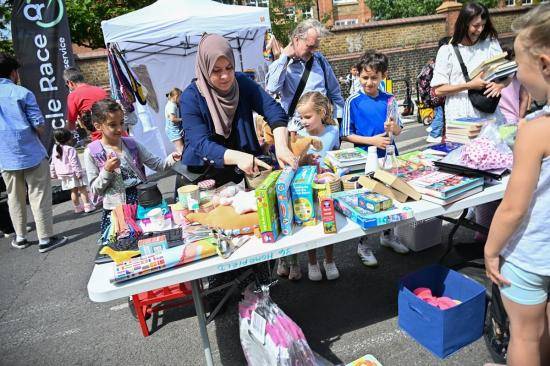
(420, 235)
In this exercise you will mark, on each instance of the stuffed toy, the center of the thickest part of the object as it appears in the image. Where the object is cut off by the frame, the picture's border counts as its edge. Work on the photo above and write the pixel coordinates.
(227, 219)
(299, 145)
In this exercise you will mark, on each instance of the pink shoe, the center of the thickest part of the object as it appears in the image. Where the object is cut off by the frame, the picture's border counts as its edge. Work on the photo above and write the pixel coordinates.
(78, 209)
(89, 207)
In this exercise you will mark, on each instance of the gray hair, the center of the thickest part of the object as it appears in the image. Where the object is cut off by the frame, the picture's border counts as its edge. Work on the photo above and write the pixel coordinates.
(73, 74)
(305, 25)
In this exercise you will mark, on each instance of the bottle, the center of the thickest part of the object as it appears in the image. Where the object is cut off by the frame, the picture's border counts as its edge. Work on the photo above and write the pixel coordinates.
(372, 160)
(391, 164)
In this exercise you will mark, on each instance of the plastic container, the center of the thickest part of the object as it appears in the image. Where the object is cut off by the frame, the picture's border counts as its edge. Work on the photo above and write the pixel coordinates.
(372, 160)
(420, 235)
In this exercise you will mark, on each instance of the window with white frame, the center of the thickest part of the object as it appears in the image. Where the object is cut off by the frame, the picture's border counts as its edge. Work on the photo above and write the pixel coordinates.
(290, 12)
(344, 2)
(307, 12)
(510, 2)
(341, 22)
(261, 3)
(526, 2)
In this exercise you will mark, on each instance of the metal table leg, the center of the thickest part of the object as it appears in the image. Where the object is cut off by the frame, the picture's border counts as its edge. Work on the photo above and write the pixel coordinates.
(199, 308)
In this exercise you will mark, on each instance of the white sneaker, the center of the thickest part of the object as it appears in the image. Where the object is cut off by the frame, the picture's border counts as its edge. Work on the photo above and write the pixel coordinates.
(391, 241)
(429, 129)
(366, 254)
(294, 273)
(314, 272)
(434, 140)
(330, 270)
(282, 268)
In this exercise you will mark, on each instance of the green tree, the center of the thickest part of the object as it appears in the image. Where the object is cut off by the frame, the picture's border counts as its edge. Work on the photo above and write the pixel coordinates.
(281, 23)
(393, 9)
(5, 15)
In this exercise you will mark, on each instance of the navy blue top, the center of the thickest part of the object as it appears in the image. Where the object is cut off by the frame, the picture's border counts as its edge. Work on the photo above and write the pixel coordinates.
(202, 144)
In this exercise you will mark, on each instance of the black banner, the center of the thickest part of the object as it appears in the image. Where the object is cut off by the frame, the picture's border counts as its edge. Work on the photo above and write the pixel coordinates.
(42, 44)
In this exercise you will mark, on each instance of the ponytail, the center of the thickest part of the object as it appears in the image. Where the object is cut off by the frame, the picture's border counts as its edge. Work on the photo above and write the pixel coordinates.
(61, 136)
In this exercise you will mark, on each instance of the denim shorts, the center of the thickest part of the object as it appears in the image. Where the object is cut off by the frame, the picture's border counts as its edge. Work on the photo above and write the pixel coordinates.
(526, 288)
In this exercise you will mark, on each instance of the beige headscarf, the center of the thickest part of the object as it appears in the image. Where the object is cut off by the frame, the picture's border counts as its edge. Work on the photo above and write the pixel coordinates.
(222, 106)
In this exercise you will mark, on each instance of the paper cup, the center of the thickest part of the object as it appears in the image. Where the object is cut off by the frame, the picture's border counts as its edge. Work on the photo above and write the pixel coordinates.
(156, 216)
(189, 195)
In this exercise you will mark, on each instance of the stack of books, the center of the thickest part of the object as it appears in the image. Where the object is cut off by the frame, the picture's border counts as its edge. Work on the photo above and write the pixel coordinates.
(443, 188)
(495, 68)
(462, 130)
(346, 161)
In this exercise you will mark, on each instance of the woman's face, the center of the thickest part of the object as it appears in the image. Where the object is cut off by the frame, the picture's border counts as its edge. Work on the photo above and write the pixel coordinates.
(223, 75)
(475, 28)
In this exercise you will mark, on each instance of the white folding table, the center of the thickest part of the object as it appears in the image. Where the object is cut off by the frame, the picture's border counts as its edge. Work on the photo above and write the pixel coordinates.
(100, 288)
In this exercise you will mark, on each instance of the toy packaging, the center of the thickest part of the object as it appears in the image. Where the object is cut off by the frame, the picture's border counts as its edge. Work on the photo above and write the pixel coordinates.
(266, 198)
(367, 360)
(375, 202)
(152, 245)
(347, 202)
(284, 200)
(328, 216)
(302, 195)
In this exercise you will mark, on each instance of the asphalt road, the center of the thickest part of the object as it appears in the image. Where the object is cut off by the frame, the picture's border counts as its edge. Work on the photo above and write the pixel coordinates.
(46, 317)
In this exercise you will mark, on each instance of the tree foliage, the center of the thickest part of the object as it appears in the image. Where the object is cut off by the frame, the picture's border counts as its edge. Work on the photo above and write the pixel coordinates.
(393, 9)
(5, 15)
(281, 24)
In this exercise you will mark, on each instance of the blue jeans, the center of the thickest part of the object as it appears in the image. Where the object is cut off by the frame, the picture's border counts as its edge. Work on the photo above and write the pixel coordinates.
(437, 122)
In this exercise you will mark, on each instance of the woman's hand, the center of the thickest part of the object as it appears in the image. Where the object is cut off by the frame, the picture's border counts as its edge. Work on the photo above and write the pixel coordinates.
(250, 165)
(477, 83)
(285, 157)
(493, 89)
(380, 141)
(492, 270)
(112, 163)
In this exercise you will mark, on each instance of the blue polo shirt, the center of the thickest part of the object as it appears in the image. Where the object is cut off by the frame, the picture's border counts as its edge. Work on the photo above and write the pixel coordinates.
(20, 146)
(365, 115)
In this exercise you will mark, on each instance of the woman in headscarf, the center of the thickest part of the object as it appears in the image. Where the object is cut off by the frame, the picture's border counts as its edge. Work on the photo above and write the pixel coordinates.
(216, 110)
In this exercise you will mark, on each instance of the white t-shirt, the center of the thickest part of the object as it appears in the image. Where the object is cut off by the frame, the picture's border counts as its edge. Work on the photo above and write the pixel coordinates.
(171, 108)
(447, 71)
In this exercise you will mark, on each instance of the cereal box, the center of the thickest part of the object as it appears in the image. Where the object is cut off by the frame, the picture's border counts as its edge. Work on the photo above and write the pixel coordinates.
(328, 216)
(302, 195)
(266, 199)
(374, 202)
(284, 200)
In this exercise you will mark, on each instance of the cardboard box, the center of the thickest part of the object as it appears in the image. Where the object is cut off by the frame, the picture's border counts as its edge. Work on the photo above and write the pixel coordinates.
(375, 202)
(302, 195)
(328, 215)
(397, 183)
(379, 187)
(266, 199)
(284, 200)
(347, 202)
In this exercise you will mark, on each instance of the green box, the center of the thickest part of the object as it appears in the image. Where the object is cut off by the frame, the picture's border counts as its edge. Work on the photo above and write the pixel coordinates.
(266, 199)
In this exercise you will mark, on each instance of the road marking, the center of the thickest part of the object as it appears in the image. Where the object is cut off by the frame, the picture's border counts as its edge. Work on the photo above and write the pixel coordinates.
(119, 307)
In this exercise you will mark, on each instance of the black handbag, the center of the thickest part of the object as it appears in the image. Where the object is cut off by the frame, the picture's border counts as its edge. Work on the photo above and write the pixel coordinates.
(480, 101)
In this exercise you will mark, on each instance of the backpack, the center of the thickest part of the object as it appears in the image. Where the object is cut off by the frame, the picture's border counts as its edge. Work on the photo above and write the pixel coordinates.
(497, 327)
(425, 91)
(99, 154)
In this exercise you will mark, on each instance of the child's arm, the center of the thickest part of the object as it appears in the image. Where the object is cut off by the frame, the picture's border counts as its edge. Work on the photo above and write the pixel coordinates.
(153, 162)
(380, 141)
(529, 150)
(75, 163)
(53, 174)
(98, 181)
(175, 120)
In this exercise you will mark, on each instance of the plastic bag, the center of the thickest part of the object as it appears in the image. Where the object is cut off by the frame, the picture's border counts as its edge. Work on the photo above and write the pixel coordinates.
(268, 336)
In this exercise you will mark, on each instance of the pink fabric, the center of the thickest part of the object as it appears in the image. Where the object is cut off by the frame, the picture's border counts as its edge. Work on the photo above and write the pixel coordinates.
(483, 154)
(68, 165)
(509, 101)
(443, 302)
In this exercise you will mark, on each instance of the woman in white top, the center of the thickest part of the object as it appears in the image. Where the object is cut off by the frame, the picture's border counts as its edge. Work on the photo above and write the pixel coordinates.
(476, 39)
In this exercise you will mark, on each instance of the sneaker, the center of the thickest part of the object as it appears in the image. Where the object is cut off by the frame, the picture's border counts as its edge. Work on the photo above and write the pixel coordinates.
(282, 268)
(434, 140)
(314, 272)
(391, 241)
(89, 208)
(78, 209)
(54, 242)
(294, 273)
(366, 254)
(330, 270)
(429, 129)
(20, 244)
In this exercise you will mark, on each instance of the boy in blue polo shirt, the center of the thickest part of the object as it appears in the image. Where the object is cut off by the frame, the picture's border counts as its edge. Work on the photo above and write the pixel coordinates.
(366, 123)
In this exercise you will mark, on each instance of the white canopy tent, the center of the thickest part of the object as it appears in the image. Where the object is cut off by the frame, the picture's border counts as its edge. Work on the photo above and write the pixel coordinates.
(162, 39)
